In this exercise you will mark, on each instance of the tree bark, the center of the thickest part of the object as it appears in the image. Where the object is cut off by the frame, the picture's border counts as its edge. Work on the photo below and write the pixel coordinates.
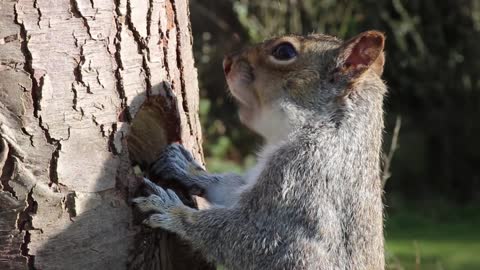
(88, 87)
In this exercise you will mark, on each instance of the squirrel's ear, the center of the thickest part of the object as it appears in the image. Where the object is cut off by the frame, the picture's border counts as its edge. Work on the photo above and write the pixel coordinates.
(363, 52)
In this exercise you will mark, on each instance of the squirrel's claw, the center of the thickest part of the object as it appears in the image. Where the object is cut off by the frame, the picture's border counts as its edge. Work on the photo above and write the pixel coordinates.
(151, 188)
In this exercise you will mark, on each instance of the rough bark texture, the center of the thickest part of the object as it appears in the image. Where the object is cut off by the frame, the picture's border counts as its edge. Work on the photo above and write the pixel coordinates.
(73, 75)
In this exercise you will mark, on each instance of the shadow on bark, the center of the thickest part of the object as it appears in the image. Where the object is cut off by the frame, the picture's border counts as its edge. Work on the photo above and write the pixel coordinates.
(156, 124)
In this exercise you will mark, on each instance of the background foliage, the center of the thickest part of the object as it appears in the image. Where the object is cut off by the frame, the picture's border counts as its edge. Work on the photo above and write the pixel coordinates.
(433, 73)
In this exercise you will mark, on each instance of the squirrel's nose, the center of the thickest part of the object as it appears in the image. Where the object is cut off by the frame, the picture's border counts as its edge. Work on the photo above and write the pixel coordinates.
(227, 64)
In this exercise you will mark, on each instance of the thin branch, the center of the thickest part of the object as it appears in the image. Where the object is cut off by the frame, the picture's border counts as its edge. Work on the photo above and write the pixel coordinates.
(387, 160)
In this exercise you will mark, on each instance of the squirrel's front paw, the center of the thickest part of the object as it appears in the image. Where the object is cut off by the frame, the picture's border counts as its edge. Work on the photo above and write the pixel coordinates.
(176, 163)
(160, 201)
(168, 208)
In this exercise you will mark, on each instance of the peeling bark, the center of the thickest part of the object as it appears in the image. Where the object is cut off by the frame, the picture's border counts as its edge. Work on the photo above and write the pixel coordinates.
(74, 74)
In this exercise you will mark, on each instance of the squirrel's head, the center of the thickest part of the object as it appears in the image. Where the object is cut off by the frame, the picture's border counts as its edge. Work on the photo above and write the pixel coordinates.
(315, 73)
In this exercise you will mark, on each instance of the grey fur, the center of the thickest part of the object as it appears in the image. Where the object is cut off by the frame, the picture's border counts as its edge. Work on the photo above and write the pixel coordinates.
(314, 200)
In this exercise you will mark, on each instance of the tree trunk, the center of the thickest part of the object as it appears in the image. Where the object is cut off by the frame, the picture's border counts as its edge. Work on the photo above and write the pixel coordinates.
(88, 87)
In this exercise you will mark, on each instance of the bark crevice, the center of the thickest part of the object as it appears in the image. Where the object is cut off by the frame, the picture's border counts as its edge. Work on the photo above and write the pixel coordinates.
(180, 67)
(36, 86)
(77, 71)
(30, 136)
(149, 23)
(24, 224)
(39, 12)
(142, 47)
(111, 140)
(69, 204)
(7, 167)
(125, 115)
(75, 11)
(25, 251)
(53, 165)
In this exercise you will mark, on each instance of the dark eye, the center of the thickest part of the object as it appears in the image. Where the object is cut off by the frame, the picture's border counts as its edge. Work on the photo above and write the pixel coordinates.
(284, 51)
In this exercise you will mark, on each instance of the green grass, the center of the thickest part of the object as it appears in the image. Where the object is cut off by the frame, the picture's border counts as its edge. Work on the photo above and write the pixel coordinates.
(442, 239)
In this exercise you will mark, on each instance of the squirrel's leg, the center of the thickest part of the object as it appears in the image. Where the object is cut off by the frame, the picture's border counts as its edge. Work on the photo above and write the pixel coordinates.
(176, 163)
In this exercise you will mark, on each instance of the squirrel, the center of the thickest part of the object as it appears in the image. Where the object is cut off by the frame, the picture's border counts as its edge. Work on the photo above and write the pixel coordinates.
(314, 198)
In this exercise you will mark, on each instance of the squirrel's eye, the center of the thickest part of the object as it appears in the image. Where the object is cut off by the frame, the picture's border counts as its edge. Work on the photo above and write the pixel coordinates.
(284, 51)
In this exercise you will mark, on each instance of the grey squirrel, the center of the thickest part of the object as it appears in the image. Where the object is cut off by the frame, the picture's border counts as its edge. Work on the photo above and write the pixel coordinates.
(314, 199)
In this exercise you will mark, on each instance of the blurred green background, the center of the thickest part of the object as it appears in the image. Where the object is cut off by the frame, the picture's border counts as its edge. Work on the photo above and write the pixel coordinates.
(433, 73)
